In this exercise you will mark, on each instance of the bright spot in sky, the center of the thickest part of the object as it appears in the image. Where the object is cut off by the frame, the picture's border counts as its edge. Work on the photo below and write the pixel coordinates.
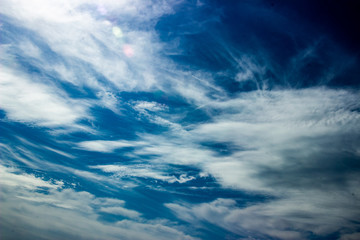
(117, 32)
(128, 50)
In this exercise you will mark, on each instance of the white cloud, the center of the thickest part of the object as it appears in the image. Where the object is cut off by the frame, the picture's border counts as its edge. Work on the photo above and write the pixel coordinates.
(81, 39)
(248, 69)
(154, 112)
(75, 31)
(280, 140)
(143, 171)
(120, 211)
(9, 155)
(59, 152)
(108, 100)
(28, 101)
(32, 158)
(286, 143)
(267, 126)
(142, 106)
(183, 178)
(106, 146)
(175, 151)
(30, 50)
(66, 213)
(283, 141)
(79, 36)
(10, 178)
(322, 213)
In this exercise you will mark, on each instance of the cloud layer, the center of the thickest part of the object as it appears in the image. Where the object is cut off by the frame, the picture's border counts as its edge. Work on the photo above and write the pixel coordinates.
(176, 119)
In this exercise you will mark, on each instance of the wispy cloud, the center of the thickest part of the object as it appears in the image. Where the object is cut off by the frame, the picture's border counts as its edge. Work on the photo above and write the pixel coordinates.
(76, 45)
(184, 94)
(289, 218)
(282, 142)
(273, 127)
(81, 35)
(107, 146)
(143, 171)
(28, 181)
(36, 103)
(67, 213)
(59, 152)
(143, 106)
(120, 211)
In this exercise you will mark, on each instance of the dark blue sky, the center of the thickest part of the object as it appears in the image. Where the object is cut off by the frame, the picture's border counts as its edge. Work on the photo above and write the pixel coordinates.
(179, 120)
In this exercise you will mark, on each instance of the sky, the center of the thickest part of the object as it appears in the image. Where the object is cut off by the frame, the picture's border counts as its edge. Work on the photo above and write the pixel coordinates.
(179, 119)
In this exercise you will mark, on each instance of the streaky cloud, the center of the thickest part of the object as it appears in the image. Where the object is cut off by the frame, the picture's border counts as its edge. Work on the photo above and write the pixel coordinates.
(67, 213)
(37, 103)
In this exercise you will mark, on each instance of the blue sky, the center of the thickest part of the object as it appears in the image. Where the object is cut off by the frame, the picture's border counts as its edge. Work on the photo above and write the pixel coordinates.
(179, 120)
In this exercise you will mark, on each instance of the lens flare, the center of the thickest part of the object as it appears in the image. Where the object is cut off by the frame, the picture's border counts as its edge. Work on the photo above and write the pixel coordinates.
(117, 32)
(128, 50)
